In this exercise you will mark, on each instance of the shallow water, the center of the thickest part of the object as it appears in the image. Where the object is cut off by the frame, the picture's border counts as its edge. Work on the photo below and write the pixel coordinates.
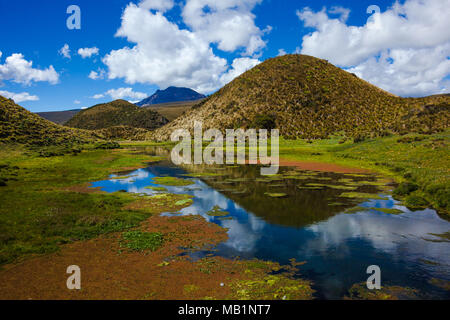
(312, 225)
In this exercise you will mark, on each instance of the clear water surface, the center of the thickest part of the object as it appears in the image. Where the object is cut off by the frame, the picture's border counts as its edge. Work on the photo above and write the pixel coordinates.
(338, 237)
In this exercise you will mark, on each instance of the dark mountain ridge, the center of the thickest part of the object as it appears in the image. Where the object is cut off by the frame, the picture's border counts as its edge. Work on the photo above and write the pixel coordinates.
(59, 117)
(171, 94)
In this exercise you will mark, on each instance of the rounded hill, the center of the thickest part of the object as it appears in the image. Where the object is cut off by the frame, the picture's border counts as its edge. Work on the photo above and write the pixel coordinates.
(117, 113)
(307, 97)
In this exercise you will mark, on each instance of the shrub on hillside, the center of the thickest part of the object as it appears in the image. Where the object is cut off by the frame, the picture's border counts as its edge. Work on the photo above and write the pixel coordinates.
(264, 121)
(405, 188)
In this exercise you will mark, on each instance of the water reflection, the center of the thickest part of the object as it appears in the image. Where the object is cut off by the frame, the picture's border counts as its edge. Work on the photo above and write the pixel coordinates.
(337, 246)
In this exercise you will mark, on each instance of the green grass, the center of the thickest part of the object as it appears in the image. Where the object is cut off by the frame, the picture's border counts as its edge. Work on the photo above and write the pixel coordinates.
(172, 181)
(421, 160)
(161, 189)
(142, 241)
(388, 210)
(38, 212)
(217, 211)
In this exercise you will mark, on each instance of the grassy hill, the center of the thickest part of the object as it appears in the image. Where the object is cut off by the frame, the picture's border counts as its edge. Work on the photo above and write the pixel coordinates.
(59, 117)
(124, 133)
(17, 125)
(117, 113)
(172, 110)
(306, 97)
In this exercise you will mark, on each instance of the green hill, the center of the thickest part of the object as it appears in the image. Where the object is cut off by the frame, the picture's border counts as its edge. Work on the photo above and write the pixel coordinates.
(117, 113)
(172, 110)
(17, 125)
(124, 133)
(306, 97)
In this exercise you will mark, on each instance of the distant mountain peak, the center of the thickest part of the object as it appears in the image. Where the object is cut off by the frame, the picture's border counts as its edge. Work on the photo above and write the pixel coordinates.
(171, 94)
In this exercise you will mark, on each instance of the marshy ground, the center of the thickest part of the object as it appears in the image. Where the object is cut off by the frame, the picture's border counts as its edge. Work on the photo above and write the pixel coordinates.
(51, 218)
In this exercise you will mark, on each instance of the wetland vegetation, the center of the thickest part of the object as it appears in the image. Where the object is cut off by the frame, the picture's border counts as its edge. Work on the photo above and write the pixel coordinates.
(302, 203)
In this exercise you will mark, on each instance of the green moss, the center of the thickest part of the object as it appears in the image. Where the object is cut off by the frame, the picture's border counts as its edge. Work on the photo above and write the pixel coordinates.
(204, 174)
(444, 284)
(142, 241)
(188, 288)
(172, 181)
(355, 210)
(387, 210)
(361, 292)
(320, 185)
(276, 195)
(271, 287)
(415, 201)
(405, 188)
(55, 207)
(360, 195)
(309, 188)
(445, 235)
(184, 202)
(423, 163)
(339, 187)
(217, 211)
(336, 204)
(162, 189)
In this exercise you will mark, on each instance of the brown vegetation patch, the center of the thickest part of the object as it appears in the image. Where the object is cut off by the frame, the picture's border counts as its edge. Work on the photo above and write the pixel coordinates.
(83, 188)
(108, 272)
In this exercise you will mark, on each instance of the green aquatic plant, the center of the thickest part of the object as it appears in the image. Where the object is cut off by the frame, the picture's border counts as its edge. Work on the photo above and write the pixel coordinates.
(336, 204)
(217, 211)
(162, 189)
(355, 210)
(309, 188)
(276, 195)
(172, 181)
(360, 195)
(388, 210)
(405, 188)
(360, 291)
(141, 241)
(183, 202)
(415, 201)
(444, 284)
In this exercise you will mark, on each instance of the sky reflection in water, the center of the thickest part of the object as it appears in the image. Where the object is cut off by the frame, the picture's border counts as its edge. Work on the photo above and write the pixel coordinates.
(338, 247)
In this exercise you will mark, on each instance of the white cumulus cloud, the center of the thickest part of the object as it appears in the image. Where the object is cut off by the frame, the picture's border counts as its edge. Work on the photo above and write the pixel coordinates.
(19, 70)
(230, 24)
(160, 5)
(19, 97)
(122, 93)
(404, 50)
(166, 55)
(87, 52)
(65, 51)
(238, 67)
(95, 75)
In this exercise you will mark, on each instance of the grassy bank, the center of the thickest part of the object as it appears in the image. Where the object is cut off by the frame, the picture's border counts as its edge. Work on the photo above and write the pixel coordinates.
(45, 201)
(420, 163)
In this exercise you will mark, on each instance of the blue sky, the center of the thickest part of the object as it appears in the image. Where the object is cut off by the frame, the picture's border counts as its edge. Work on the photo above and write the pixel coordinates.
(263, 29)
